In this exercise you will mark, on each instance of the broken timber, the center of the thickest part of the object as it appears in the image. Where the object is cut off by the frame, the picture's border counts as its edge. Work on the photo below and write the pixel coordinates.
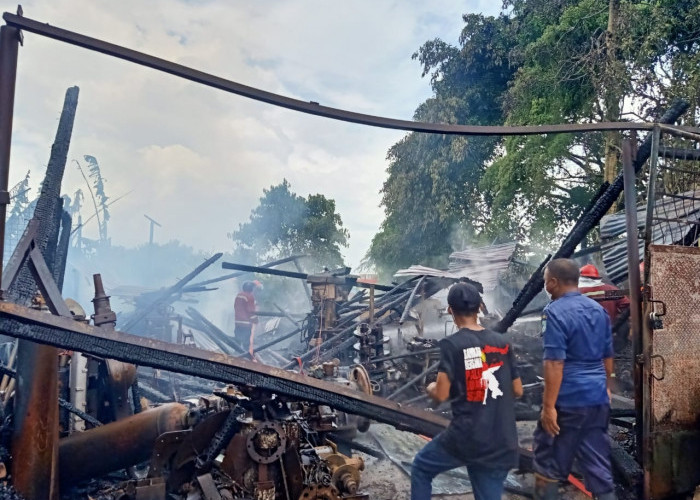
(35, 326)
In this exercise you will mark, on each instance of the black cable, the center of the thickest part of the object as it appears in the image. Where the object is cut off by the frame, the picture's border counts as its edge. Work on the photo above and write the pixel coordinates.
(88, 418)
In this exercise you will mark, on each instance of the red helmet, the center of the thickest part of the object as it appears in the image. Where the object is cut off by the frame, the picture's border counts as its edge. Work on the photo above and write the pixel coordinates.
(589, 271)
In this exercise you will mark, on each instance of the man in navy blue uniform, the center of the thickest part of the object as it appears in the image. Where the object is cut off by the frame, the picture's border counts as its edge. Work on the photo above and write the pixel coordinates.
(578, 364)
(477, 374)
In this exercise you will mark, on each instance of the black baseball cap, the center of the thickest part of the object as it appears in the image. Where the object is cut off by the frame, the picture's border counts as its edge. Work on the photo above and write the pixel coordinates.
(463, 297)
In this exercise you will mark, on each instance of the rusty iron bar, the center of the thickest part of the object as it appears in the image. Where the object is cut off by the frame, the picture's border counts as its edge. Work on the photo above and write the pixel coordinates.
(311, 107)
(630, 177)
(641, 341)
(225, 277)
(9, 48)
(351, 280)
(415, 379)
(21, 322)
(117, 445)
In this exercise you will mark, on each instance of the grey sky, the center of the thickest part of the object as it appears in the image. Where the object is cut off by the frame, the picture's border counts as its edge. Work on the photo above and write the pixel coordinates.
(197, 159)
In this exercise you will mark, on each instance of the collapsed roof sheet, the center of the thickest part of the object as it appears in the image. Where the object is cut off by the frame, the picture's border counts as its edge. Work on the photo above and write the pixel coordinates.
(676, 218)
(482, 264)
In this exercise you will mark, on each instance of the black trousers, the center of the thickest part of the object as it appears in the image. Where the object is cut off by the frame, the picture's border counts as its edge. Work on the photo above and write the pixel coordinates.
(242, 332)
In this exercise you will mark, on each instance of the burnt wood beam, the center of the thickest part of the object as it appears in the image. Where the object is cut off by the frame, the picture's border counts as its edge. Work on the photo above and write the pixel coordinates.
(35, 326)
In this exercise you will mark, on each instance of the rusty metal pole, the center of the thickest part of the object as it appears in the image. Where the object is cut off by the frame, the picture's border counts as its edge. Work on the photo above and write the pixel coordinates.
(9, 48)
(634, 283)
(643, 447)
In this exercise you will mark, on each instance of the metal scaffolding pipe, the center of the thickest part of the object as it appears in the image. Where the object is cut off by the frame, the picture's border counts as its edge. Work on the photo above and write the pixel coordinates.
(9, 48)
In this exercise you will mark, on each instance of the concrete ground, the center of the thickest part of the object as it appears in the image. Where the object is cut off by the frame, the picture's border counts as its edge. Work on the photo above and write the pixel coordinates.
(385, 479)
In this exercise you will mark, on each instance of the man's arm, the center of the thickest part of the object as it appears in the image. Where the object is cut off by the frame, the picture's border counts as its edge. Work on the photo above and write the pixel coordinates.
(608, 356)
(252, 310)
(553, 375)
(517, 387)
(440, 389)
(609, 364)
(555, 345)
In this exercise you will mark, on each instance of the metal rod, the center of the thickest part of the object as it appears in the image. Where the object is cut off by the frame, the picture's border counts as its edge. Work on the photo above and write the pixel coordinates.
(415, 379)
(305, 285)
(641, 342)
(236, 275)
(680, 154)
(291, 274)
(404, 355)
(312, 108)
(9, 48)
(273, 342)
(633, 271)
(410, 300)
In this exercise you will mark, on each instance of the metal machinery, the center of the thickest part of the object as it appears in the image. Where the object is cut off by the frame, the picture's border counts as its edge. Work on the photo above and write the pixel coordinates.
(247, 445)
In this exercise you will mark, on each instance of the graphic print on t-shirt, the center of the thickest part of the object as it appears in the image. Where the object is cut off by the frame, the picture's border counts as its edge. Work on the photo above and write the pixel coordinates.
(480, 375)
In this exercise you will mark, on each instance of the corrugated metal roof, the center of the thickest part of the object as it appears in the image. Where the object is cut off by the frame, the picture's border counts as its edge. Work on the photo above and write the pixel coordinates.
(482, 264)
(613, 229)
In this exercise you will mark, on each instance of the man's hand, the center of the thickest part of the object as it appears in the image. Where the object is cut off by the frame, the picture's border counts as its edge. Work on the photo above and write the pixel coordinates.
(431, 388)
(548, 418)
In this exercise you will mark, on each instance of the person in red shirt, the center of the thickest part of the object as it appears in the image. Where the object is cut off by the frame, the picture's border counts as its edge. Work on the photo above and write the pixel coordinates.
(245, 314)
(592, 286)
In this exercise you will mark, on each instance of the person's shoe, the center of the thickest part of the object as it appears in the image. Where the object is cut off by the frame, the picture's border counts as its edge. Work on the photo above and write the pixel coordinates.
(546, 490)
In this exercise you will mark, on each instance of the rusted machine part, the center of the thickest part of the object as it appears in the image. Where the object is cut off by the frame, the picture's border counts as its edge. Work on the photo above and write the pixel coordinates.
(121, 378)
(117, 445)
(104, 316)
(320, 493)
(266, 443)
(345, 470)
(121, 375)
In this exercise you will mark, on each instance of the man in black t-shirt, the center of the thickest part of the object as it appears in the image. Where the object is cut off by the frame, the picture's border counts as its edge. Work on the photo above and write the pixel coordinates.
(477, 374)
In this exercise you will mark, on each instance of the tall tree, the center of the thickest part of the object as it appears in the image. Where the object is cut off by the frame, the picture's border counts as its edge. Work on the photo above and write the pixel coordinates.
(285, 223)
(539, 62)
(432, 190)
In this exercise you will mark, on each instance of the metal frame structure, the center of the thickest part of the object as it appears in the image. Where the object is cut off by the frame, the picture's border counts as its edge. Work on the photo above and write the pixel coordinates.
(53, 330)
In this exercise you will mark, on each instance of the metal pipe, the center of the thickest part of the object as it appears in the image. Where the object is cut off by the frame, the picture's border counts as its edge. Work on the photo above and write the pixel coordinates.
(410, 299)
(634, 280)
(415, 379)
(291, 274)
(642, 348)
(405, 355)
(9, 48)
(116, 445)
(313, 108)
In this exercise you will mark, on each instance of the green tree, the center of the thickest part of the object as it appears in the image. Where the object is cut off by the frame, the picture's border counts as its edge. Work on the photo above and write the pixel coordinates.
(285, 224)
(432, 190)
(539, 62)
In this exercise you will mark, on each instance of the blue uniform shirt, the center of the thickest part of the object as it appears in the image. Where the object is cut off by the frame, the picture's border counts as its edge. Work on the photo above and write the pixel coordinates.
(577, 329)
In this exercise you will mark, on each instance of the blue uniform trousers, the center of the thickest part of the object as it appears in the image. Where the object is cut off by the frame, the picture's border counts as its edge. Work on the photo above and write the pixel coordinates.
(583, 435)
